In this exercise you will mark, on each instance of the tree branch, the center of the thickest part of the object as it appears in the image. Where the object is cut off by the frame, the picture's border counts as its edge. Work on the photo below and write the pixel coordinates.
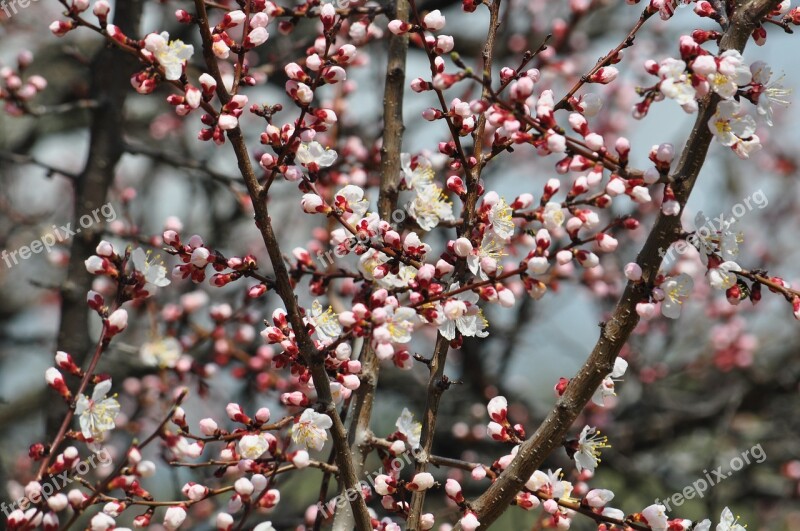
(391, 150)
(437, 382)
(110, 85)
(492, 503)
(314, 358)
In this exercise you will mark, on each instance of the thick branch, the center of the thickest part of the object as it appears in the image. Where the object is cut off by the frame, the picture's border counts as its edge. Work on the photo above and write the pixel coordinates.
(393, 116)
(314, 358)
(550, 434)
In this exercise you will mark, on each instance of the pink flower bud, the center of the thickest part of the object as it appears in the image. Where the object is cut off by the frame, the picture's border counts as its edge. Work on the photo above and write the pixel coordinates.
(259, 20)
(243, 487)
(117, 321)
(444, 44)
(57, 502)
(59, 28)
(262, 415)
(633, 271)
(208, 83)
(181, 15)
(456, 185)
(199, 257)
(208, 427)
(256, 37)
(646, 310)
(462, 247)
(312, 204)
(640, 194)
(174, 517)
(301, 459)
(398, 27)
(227, 122)
(564, 257)
(224, 522)
(522, 202)
(606, 243)
(587, 259)
(193, 97)
(598, 497)
(616, 186)
(498, 408)
(453, 490)
(538, 265)
(434, 21)
(53, 377)
(605, 75)
(551, 506)
(421, 481)
(101, 8)
(236, 414)
(469, 522)
(327, 15)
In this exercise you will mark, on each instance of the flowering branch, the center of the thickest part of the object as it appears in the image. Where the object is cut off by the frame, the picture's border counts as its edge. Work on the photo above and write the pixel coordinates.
(391, 149)
(438, 382)
(313, 357)
(617, 329)
(611, 57)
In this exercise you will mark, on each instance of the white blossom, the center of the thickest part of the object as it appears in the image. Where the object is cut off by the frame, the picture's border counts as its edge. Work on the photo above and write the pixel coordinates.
(172, 55)
(253, 446)
(96, 415)
(730, 74)
(464, 315)
(589, 445)
(419, 177)
(398, 325)
(491, 249)
(351, 200)
(553, 216)
(309, 431)
(500, 219)
(430, 207)
(656, 517)
(163, 352)
(727, 522)
(768, 93)
(723, 276)
(550, 483)
(606, 388)
(730, 124)
(676, 290)
(408, 427)
(313, 155)
(325, 322)
(676, 84)
(174, 517)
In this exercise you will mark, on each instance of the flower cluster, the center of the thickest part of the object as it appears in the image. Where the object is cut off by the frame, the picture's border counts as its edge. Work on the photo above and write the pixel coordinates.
(699, 73)
(430, 249)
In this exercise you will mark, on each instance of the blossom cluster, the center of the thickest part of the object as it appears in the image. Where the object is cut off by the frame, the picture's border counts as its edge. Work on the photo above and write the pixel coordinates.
(314, 337)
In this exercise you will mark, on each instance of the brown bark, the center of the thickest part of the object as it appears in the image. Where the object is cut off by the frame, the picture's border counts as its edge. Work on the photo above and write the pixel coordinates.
(314, 358)
(615, 332)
